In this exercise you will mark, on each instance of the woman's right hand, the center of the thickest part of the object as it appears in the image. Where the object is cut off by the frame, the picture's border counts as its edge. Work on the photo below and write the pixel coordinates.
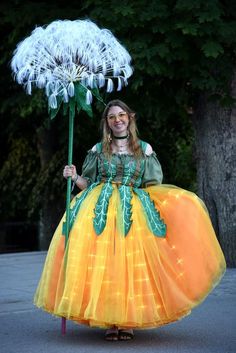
(70, 171)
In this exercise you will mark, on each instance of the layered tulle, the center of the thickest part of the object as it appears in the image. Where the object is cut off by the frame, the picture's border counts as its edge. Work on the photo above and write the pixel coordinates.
(140, 280)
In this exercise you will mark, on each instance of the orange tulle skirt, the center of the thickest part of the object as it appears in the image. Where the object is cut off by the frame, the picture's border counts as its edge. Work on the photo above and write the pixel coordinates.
(140, 280)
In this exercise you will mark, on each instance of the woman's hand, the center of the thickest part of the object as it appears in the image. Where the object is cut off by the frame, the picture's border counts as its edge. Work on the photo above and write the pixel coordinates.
(70, 171)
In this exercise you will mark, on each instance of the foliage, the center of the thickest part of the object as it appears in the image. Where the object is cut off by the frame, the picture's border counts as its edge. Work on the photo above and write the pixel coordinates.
(179, 49)
(17, 177)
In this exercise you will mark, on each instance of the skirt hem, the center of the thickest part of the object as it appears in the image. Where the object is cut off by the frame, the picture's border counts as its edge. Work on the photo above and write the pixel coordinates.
(176, 317)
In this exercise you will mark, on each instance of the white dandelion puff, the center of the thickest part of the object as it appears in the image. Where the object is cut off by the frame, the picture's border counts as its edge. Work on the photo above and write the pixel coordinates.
(89, 97)
(101, 80)
(47, 89)
(110, 85)
(116, 69)
(29, 88)
(90, 81)
(52, 101)
(104, 68)
(71, 89)
(65, 53)
(65, 95)
(84, 78)
(119, 87)
(40, 82)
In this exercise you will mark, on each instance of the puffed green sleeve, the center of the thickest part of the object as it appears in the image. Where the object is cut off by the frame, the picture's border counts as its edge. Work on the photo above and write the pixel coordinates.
(152, 171)
(90, 167)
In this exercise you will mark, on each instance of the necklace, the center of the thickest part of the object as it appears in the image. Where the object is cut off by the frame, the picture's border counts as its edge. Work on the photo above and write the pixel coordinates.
(120, 137)
(121, 148)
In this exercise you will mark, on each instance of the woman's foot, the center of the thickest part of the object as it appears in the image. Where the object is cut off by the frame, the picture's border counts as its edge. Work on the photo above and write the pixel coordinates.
(126, 334)
(112, 334)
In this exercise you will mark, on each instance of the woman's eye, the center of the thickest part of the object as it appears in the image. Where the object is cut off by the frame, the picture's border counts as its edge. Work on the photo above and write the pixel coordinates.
(120, 116)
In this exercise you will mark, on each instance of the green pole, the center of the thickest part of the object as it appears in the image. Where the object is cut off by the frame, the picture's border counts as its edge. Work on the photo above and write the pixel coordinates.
(68, 191)
(70, 156)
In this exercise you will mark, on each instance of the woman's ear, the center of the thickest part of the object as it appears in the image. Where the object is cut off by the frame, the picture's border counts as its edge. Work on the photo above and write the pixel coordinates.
(132, 116)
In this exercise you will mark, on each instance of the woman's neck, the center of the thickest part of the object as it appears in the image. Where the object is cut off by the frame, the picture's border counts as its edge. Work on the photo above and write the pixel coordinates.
(120, 137)
(120, 146)
(120, 142)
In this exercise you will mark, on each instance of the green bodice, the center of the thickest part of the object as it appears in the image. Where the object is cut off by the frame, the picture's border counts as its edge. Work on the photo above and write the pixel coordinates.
(122, 168)
(131, 176)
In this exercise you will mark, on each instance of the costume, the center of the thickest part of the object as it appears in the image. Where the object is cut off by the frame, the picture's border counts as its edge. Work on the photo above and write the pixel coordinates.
(140, 253)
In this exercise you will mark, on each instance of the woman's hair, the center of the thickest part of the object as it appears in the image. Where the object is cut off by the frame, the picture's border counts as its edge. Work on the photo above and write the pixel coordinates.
(132, 130)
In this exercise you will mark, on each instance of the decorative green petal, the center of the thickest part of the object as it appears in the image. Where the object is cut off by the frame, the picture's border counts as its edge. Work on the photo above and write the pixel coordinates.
(80, 97)
(65, 108)
(101, 208)
(155, 223)
(75, 209)
(125, 196)
(96, 93)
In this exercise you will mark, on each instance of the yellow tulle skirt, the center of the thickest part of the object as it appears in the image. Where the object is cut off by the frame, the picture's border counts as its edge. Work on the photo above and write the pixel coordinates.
(140, 280)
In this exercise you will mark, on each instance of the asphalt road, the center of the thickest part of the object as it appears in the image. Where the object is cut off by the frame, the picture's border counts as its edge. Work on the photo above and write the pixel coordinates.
(25, 329)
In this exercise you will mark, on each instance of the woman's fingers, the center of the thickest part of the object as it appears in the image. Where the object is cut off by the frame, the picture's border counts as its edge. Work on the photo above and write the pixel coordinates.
(69, 171)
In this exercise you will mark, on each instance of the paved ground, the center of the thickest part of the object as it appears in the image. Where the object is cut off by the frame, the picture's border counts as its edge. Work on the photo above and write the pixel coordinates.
(25, 329)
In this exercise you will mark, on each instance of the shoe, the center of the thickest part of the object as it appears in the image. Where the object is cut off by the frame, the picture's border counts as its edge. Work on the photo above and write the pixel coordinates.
(126, 334)
(112, 334)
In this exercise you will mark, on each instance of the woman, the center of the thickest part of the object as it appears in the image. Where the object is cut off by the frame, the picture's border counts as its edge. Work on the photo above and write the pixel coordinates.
(140, 254)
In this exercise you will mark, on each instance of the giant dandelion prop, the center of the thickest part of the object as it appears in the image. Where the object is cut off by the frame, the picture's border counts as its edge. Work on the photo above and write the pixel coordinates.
(71, 61)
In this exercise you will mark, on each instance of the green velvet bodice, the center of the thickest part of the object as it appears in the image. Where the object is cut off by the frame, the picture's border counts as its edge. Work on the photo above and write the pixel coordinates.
(131, 176)
(122, 168)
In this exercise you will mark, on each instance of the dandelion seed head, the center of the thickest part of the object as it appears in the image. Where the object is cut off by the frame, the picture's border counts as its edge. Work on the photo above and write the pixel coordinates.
(56, 56)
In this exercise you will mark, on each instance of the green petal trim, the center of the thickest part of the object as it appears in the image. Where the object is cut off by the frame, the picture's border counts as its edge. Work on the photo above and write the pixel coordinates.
(96, 93)
(75, 209)
(78, 101)
(125, 196)
(80, 97)
(155, 223)
(129, 169)
(99, 222)
(65, 108)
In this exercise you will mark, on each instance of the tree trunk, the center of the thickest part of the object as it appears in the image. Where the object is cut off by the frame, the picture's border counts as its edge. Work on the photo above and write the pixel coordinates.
(215, 148)
(51, 210)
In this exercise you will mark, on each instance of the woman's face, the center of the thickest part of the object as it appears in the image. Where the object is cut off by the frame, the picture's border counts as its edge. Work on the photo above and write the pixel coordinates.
(118, 120)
